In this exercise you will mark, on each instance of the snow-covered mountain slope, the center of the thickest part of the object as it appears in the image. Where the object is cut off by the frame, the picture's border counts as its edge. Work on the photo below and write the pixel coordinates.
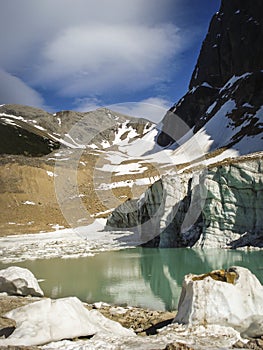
(220, 137)
(221, 115)
(38, 153)
(90, 163)
(120, 162)
(209, 148)
(31, 131)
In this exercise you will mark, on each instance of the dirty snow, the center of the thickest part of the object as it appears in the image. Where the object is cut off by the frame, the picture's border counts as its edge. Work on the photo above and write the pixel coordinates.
(128, 183)
(201, 337)
(64, 318)
(66, 243)
(102, 212)
(124, 169)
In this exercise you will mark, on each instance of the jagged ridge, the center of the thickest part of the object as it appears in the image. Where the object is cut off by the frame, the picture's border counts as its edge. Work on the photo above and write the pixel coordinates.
(229, 67)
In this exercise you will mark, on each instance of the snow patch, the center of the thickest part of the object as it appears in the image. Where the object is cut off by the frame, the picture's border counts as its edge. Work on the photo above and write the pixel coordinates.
(10, 122)
(93, 146)
(233, 80)
(210, 108)
(128, 183)
(56, 226)
(247, 105)
(124, 169)
(39, 127)
(29, 203)
(105, 144)
(51, 174)
(109, 211)
(201, 337)
(205, 84)
(196, 73)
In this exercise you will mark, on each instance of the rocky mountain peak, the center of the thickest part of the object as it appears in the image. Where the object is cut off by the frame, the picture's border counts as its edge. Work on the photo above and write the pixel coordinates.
(229, 67)
(233, 45)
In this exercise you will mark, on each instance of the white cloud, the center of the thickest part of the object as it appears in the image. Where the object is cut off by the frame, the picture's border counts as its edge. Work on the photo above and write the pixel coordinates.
(25, 26)
(88, 104)
(153, 108)
(14, 90)
(88, 48)
(93, 59)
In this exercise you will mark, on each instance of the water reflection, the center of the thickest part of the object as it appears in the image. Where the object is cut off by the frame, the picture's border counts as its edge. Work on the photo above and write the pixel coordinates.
(164, 269)
(145, 277)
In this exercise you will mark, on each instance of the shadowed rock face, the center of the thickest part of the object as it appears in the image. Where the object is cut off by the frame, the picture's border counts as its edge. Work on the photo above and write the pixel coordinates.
(233, 46)
(15, 140)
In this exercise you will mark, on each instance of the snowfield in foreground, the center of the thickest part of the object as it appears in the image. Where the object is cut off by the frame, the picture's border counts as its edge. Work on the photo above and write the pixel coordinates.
(67, 243)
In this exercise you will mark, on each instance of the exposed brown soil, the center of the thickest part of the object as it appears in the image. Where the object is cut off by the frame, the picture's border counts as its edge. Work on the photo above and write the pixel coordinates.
(28, 192)
(30, 188)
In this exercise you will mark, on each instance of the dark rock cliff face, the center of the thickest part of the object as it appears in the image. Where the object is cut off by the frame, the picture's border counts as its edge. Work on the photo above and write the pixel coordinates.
(233, 47)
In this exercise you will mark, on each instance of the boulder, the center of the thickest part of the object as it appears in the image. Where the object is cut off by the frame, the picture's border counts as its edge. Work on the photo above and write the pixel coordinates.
(19, 281)
(232, 298)
(52, 320)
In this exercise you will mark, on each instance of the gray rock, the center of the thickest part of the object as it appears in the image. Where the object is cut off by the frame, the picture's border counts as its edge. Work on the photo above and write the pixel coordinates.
(19, 281)
(34, 132)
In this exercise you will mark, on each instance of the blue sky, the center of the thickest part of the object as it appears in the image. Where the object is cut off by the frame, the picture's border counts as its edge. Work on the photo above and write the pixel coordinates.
(83, 54)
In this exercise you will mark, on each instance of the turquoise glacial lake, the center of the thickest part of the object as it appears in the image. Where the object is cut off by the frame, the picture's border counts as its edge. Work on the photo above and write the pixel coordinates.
(144, 277)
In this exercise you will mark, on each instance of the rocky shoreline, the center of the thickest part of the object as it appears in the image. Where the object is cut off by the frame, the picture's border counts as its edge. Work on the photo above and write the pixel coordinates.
(29, 320)
(144, 322)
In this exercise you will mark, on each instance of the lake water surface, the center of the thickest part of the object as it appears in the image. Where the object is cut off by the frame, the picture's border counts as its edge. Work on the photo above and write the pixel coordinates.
(144, 277)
